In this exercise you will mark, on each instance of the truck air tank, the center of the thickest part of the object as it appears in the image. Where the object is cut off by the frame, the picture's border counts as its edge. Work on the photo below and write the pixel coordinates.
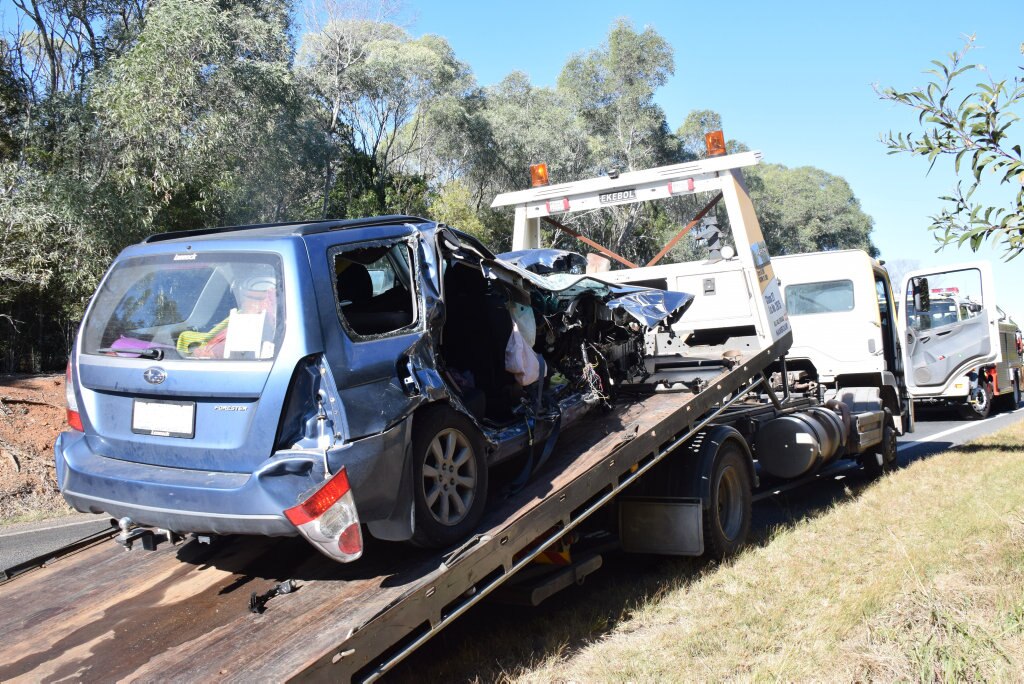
(797, 443)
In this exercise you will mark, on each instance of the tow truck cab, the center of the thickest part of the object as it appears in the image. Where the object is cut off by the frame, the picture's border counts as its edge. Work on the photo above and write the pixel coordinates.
(845, 335)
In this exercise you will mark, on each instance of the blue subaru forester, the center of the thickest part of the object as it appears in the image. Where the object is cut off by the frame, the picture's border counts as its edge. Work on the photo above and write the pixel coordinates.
(332, 377)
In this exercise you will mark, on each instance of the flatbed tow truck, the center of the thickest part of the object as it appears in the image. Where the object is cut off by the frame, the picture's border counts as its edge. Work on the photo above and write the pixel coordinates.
(662, 472)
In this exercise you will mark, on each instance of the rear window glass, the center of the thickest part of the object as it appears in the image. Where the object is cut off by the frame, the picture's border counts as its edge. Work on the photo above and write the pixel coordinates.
(833, 296)
(202, 306)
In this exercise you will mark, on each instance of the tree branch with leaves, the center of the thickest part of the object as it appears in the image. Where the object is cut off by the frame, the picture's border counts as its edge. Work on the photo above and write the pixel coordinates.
(973, 129)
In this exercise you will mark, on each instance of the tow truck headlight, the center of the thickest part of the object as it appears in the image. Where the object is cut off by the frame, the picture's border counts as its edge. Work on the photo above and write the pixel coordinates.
(328, 519)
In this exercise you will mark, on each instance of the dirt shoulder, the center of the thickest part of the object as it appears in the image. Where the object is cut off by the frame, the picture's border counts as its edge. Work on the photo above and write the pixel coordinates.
(32, 414)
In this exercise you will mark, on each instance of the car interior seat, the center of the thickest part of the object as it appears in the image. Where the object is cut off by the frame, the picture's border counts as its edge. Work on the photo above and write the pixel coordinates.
(364, 314)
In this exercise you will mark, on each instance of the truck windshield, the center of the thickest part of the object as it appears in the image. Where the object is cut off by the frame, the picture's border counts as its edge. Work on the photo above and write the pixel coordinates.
(833, 296)
(188, 306)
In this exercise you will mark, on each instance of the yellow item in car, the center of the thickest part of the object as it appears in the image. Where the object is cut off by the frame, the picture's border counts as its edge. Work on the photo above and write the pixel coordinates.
(191, 338)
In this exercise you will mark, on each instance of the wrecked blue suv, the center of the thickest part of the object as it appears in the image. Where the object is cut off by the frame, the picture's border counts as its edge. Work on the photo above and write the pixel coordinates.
(333, 377)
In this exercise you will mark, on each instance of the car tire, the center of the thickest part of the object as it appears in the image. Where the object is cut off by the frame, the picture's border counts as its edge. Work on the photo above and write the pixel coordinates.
(449, 477)
(727, 516)
(969, 411)
(887, 449)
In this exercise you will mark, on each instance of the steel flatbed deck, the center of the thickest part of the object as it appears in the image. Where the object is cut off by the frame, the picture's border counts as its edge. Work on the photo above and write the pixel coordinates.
(180, 613)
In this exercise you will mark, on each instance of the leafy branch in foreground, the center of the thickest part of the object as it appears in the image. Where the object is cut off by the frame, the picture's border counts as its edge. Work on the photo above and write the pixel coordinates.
(973, 129)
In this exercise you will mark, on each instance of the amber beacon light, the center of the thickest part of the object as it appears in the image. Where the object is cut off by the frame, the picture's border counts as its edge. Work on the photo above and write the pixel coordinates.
(538, 175)
(715, 141)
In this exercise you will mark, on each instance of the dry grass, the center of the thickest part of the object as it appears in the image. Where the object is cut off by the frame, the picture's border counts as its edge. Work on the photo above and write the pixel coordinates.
(919, 578)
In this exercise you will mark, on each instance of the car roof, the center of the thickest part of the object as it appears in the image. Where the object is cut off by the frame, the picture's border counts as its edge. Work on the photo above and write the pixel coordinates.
(294, 228)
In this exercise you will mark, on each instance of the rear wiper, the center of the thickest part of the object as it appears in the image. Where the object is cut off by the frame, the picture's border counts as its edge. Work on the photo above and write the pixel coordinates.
(154, 353)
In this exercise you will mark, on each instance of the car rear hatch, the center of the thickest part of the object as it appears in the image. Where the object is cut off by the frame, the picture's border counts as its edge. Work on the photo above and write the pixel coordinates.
(174, 356)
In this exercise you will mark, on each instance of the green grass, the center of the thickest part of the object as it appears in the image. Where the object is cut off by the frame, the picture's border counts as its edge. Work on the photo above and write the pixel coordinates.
(919, 576)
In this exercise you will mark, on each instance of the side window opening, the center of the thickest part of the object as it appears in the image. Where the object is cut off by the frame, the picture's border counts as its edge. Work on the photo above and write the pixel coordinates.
(956, 296)
(374, 289)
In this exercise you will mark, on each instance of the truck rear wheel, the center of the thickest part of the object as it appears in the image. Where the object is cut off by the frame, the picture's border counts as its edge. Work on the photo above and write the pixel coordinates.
(727, 517)
(980, 407)
(449, 477)
(886, 452)
(1013, 398)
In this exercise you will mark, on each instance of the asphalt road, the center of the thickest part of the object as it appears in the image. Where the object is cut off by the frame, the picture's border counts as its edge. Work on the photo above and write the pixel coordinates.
(939, 429)
(20, 543)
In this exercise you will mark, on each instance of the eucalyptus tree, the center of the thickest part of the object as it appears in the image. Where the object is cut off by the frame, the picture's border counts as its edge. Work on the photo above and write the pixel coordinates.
(612, 88)
(338, 38)
(13, 103)
(202, 119)
(61, 42)
(376, 86)
(485, 141)
(805, 209)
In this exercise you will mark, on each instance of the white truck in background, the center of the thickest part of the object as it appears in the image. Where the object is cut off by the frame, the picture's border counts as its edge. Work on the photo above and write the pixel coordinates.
(962, 350)
(950, 320)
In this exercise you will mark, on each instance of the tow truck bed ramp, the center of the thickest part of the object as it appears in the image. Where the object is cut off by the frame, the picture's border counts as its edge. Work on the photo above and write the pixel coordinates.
(180, 613)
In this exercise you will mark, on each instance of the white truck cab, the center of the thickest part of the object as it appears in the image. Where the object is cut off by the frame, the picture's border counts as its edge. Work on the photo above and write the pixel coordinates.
(841, 307)
(944, 348)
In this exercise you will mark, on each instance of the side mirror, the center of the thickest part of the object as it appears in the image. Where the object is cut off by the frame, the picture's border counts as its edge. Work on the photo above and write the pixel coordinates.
(922, 296)
(973, 307)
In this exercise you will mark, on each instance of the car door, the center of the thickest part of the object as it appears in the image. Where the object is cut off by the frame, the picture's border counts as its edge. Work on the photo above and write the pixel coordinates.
(941, 342)
(372, 315)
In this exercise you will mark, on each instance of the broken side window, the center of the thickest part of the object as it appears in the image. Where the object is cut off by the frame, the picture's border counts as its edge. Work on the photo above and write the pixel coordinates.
(374, 288)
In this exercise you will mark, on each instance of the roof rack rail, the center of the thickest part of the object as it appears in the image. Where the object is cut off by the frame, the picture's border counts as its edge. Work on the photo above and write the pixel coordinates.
(325, 226)
(307, 227)
(195, 232)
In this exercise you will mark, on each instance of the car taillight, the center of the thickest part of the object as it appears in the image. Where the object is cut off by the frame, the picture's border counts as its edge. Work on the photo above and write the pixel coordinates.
(329, 521)
(74, 417)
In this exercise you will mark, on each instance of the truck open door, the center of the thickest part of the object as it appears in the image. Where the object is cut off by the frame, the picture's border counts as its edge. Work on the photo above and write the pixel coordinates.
(948, 323)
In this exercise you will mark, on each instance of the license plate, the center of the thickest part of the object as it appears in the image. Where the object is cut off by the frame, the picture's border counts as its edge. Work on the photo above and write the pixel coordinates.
(164, 418)
(617, 196)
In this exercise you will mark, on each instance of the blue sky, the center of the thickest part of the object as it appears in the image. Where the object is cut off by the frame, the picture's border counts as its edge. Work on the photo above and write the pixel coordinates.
(791, 79)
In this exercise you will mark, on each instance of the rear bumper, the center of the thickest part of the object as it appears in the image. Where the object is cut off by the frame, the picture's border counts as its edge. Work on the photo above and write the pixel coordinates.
(184, 500)
(173, 498)
(183, 521)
